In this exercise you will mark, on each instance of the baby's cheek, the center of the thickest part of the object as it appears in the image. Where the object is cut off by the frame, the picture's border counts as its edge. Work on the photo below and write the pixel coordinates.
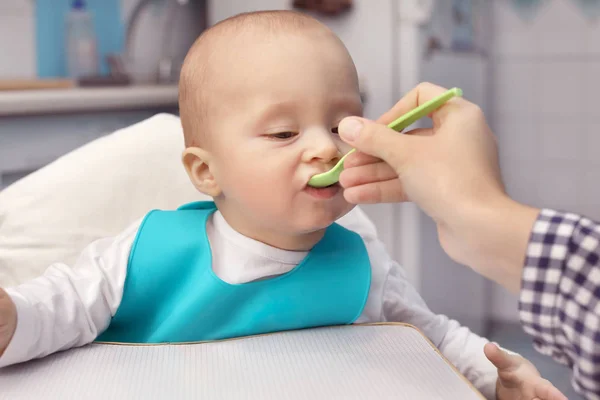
(262, 194)
(343, 146)
(246, 177)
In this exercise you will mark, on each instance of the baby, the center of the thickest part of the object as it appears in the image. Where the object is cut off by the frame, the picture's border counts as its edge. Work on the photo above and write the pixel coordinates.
(261, 95)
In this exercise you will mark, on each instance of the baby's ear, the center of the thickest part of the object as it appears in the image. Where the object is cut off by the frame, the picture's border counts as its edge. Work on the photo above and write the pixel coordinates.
(196, 163)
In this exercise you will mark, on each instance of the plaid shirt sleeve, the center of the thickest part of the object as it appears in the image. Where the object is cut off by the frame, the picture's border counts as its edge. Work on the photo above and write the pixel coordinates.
(559, 303)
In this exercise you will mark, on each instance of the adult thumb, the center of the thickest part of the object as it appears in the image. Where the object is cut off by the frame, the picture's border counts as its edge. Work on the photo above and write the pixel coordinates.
(372, 138)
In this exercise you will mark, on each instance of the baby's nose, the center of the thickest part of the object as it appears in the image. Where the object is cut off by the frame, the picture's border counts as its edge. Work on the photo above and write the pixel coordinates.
(326, 148)
(320, 145)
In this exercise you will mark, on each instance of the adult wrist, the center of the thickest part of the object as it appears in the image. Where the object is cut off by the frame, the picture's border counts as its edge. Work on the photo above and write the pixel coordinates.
(496, 235)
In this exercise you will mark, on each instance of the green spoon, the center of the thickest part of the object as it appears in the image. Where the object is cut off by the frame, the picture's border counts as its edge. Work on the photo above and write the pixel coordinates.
(333, 175)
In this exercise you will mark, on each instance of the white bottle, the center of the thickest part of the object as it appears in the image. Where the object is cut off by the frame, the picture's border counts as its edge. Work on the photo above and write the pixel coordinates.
(81, 49)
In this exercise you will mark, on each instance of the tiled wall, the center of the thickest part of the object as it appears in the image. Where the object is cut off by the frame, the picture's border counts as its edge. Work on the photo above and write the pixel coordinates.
(546, 111)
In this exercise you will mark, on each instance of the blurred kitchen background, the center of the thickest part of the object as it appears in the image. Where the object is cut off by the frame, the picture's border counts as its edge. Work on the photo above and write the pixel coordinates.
(73, 71)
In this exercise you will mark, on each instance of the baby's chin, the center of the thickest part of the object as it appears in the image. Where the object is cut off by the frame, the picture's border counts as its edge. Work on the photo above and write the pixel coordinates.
(347, 208)
(322, 219)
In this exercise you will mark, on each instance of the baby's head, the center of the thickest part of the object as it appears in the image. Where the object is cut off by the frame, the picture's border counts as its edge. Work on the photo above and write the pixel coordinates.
(261, 95)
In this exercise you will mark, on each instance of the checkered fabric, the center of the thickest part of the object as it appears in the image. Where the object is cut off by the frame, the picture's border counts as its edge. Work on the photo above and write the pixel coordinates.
(559, 303)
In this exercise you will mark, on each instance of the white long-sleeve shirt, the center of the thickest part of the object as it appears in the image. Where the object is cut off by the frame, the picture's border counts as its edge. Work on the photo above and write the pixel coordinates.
(70, 306)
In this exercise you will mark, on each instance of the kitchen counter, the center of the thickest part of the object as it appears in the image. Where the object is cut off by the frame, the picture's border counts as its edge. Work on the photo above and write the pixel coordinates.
(38, 126)
(58, 101)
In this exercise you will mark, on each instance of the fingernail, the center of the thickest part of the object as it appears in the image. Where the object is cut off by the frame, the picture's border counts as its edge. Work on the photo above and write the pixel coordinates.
(350, 128)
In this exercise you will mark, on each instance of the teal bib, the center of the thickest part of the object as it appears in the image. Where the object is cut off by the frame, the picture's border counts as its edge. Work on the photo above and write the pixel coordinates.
(171, 293)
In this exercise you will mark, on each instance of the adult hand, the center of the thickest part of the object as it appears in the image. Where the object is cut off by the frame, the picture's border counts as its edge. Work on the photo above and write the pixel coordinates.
(451, 172)
(460, 138)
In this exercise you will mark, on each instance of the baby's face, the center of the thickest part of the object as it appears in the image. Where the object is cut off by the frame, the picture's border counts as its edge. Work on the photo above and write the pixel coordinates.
(274, 125)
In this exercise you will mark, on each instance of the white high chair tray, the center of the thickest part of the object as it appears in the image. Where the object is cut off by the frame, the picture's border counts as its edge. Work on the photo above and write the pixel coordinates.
(377, 361)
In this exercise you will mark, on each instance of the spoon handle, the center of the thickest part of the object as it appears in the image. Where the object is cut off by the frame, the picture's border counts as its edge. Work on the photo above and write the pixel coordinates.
(414, 115)
(333, 175)
(424, 109)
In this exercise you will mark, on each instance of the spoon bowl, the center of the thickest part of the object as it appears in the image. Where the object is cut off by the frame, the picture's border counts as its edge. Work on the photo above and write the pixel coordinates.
(333, 175)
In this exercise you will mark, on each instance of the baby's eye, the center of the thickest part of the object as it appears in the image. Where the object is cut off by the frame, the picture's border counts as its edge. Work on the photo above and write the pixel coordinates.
(334, 130)
(283, 135)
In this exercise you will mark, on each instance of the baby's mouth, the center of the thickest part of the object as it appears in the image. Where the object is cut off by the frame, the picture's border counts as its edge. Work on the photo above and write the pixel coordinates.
(326, 192)
(333, 184)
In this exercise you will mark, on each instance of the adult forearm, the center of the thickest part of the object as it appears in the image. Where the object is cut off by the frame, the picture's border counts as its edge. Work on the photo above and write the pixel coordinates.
(493, 238)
